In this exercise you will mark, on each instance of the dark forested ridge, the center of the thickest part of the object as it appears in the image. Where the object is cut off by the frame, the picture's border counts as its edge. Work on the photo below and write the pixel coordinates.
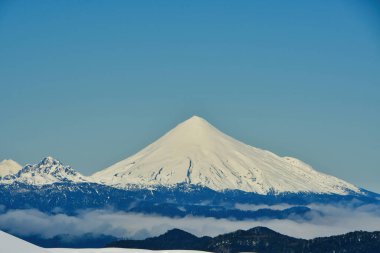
(259, 239)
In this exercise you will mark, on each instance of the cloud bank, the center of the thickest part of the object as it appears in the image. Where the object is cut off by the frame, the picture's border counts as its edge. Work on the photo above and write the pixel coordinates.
(324, 220)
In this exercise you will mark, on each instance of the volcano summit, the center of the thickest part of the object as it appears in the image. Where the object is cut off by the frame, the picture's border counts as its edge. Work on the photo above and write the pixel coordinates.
(197, 153)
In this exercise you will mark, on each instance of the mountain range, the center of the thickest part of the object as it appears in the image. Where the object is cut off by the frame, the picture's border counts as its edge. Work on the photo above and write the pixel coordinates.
(48, 171)
(192, 164)
(193, 170)
(197, 154)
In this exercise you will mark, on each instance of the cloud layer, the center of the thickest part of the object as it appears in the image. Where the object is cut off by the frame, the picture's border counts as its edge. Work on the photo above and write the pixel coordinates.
(324, 220)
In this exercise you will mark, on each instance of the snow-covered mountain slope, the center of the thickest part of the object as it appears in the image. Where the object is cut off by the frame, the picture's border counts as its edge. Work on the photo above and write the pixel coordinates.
(197, 153)
(48, 171)
(9, 167)
(11, 244)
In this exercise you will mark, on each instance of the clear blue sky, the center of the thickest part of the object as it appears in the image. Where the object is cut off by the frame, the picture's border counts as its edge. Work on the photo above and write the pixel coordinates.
(92, 82)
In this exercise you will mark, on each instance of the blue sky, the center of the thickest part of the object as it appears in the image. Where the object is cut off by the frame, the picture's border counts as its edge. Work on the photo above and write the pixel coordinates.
(92, 82)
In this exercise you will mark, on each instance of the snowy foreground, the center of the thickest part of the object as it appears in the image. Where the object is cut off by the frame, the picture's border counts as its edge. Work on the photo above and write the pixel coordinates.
(11, 244)
(114, 250)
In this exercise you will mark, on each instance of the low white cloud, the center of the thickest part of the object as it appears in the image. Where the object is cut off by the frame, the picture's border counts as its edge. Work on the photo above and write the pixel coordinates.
(324, 220)
(250, 207)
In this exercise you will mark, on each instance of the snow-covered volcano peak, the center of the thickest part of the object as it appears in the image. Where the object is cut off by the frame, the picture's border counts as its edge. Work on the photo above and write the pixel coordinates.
(49, 170)
(194, 127)
(192, 133)
(195, 152)
(196, 123)
(196, 120)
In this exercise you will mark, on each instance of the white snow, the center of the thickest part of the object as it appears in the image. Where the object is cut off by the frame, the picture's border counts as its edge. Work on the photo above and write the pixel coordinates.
(48, 171)
(11, 244)
(9, 167)
(197, 153)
